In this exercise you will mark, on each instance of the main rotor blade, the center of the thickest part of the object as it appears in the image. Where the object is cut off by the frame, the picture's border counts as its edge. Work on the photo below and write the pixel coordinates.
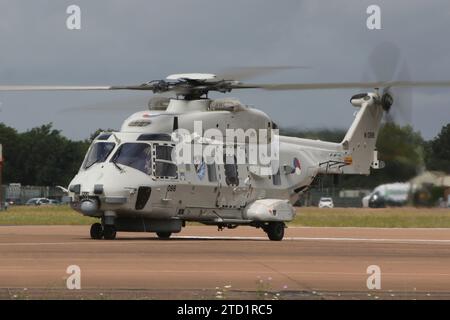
(54, 88)
(116, 105)
(246, 73)
(131, 103)
(342, 85)
(232, 86)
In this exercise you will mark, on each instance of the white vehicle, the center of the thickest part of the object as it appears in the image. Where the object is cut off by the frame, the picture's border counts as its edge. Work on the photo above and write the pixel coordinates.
(133, 180)
(326, 203)
(37, 201)
(391, 194)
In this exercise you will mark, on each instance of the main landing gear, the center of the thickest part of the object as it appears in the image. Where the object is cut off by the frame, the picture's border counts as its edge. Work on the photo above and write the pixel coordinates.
(275, 230)
(106, 232)
(164, 235)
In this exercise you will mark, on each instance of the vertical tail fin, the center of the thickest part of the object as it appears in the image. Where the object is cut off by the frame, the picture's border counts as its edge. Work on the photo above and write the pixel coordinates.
(360, 140)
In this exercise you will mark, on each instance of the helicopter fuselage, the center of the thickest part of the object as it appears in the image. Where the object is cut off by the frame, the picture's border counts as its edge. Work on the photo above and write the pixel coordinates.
(132, 181)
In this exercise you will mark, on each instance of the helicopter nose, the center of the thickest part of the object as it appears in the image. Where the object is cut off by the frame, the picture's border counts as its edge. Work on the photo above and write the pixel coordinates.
(89, 206)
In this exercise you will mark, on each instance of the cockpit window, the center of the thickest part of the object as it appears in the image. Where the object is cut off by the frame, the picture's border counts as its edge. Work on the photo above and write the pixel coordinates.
(165, 168)
(98, 153)
(104, 136)
(164, 153)
(135, 155)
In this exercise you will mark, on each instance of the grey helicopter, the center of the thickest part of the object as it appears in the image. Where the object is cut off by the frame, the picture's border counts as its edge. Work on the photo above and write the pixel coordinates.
(144, 178)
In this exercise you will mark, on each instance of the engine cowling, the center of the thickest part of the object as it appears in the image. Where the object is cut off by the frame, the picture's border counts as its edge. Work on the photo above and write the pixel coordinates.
(358, 99)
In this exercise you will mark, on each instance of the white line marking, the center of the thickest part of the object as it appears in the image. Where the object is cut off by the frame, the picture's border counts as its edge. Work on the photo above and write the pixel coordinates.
(319, 239)
(376, 240)
(372, 228)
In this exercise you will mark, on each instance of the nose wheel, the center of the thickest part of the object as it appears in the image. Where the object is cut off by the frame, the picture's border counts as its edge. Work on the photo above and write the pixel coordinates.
(96, 231)
(106, 232)
(109, 232)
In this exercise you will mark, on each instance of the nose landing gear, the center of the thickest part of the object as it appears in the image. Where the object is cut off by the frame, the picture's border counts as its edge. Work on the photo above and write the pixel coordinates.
(106, 232)
(109, 232)
(96, 231)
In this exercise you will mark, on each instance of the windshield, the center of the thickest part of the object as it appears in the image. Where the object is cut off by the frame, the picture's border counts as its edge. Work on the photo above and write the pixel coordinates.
(98, 153)
(135, 155)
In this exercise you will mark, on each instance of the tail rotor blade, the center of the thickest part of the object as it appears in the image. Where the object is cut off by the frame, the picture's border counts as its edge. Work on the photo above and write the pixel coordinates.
(386, 65)
(403, 98)
(384, 62)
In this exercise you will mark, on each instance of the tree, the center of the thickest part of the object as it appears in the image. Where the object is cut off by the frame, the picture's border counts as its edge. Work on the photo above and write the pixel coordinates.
(40, 156)
(333, 135)
(401, 148)
(10, 140)
(438, 151)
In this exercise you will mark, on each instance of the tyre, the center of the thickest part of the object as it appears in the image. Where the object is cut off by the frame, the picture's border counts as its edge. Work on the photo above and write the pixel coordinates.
(109, 232)
(275, 231)
(96, 231)
(164, 235)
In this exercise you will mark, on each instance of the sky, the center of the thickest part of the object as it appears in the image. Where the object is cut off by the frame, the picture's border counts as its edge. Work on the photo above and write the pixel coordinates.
(141, 40)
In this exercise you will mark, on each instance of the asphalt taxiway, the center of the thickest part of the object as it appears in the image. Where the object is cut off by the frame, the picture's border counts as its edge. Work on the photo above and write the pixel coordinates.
(202, 262)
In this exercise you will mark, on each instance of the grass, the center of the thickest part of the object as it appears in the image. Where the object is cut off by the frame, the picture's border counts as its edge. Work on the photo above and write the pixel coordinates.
(405, 217)
(311, 217)
(45, 215)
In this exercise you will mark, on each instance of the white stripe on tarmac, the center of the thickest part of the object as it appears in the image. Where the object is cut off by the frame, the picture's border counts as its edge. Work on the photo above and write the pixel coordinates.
(131, 241)
(319, 239)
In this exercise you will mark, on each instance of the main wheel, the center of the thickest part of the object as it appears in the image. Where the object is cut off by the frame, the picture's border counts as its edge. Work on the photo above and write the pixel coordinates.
(275, 231)
(164, 235)
(96, 231)
(109, 232)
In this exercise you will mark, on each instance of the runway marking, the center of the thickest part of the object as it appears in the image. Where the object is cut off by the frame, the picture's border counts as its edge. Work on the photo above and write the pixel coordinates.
(376, 240)
(131, 241)
(373, 228)
(318, 239)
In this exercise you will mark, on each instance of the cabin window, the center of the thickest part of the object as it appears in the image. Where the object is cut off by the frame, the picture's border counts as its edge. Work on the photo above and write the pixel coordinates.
(98, 153)
(164, 166)
(200, 168)
(212, 172)
(135, 155)
(231, 171)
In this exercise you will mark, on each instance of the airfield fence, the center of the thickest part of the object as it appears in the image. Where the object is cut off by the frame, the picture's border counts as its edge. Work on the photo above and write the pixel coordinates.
(21, 194)
(341, 197)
